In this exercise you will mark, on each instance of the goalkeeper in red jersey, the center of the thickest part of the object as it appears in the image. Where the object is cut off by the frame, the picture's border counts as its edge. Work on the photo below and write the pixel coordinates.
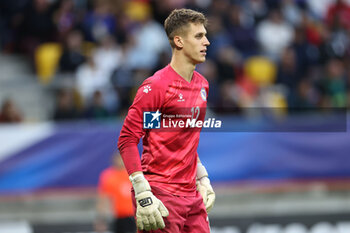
(171, 187)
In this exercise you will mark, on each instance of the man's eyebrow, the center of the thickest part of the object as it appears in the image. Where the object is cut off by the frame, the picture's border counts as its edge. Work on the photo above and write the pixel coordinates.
(201, 34)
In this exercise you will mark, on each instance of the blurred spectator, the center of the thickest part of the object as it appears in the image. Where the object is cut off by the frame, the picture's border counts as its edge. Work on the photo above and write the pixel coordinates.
(339, 42)
(273, 4)
(163, 60)
(242, 34)
(325, 48)
(305, 97)
(227, 61)
(96, 109)
(148, 39)
(337, 19)
(292, 74)
(9, 112)
(271, 101)
(90, 78)
(333, 84)
(256, 10)
(114, 192)
(122, 79)
(65, 108)
(287, 73)
(99, 22)
(291, 11)
(72, 55)
(244, 92)
(267, 30)
(338, 15)
(161, 10)
(311, 29)
(305, 53)
(217, 35)
(318, 8)
(348, 90)
(219, 8)
(108, 55)
(123, 25)
(232, 97)
(36, 26)
(11, 13)
(64, 18)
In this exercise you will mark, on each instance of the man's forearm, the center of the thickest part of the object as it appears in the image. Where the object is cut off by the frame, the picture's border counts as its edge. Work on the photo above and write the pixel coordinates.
(131, 158)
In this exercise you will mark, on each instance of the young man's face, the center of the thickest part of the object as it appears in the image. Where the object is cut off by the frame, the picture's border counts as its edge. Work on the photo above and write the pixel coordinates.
(195, 43)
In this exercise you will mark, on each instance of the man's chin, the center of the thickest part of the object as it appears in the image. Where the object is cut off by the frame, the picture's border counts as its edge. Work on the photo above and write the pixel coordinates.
(200, 60)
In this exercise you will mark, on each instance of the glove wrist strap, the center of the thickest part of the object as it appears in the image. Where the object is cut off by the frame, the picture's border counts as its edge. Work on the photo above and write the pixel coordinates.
(201, 171)
(139, 183)
(204, 180)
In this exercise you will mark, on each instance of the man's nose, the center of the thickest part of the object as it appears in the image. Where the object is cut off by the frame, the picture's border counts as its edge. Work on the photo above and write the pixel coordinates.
(206, 42)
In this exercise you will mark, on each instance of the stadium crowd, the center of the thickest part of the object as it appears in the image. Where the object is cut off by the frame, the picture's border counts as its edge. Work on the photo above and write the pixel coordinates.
(263, 53)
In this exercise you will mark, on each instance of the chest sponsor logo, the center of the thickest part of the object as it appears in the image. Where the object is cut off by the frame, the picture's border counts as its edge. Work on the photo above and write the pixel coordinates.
(203, 94)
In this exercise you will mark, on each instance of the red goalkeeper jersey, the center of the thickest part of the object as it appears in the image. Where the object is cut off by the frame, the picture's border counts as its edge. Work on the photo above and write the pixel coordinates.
(169, 157)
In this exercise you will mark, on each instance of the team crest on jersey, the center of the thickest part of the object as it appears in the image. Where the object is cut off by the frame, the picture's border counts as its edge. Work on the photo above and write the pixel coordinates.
(203, 94)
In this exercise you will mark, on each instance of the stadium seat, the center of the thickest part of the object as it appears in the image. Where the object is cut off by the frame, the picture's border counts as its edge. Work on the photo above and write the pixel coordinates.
(47, 57)
(261, 70)
(137, 10)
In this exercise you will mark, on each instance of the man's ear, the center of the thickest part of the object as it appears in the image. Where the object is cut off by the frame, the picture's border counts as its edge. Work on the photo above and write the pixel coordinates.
(178, 41)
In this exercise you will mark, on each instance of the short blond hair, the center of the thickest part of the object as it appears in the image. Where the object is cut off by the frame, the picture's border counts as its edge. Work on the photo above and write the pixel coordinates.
(178, 21)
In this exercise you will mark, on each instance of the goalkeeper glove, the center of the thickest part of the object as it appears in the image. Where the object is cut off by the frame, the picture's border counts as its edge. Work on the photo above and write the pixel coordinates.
(204, 187)
(149, 209)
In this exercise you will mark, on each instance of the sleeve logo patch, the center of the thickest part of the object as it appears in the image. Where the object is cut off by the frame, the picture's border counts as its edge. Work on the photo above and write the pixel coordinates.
(147, 89)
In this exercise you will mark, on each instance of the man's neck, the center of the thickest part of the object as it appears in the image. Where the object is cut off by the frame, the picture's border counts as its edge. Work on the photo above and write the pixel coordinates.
(182, 67)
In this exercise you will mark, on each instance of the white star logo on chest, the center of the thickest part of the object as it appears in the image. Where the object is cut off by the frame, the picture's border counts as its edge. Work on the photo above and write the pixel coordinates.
(181, 98)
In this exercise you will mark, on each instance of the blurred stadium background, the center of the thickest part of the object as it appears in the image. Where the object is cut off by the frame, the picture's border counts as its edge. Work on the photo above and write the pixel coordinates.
(69, 71)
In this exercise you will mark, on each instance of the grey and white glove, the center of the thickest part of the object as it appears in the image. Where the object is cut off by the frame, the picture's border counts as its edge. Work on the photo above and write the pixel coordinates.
(149, 210)
(204, 187)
